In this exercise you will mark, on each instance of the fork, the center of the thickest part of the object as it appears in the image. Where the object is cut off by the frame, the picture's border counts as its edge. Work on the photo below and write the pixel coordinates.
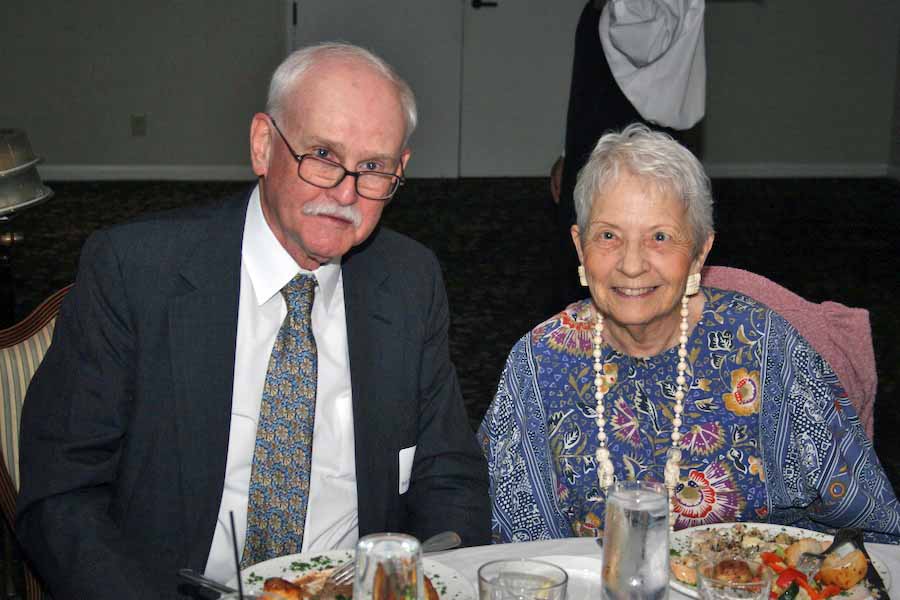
(446, 540)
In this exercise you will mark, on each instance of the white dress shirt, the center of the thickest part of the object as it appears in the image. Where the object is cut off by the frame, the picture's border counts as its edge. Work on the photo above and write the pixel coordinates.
(331, 516)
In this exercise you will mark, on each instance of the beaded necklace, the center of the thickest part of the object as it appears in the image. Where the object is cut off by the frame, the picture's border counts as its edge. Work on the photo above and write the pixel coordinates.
(672, 471)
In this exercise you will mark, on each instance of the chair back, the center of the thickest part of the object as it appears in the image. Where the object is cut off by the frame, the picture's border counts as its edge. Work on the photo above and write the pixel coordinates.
(22, 348)
(842, 335)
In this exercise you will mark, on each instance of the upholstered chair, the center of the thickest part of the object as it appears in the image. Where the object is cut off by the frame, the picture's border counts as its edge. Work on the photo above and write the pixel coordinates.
(22, 347)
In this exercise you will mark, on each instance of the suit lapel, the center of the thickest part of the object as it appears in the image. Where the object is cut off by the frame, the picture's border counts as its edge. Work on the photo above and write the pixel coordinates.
(367, 305)
(203, 334)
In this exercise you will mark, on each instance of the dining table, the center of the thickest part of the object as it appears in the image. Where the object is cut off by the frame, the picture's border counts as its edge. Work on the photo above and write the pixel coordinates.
(466, 561)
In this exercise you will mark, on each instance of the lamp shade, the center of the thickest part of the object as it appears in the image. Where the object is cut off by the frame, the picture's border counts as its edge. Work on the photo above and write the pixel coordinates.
(20, 182)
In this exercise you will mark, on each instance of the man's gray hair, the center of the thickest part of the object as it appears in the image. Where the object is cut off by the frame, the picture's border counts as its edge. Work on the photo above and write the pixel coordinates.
(653, 157)
(292, 69)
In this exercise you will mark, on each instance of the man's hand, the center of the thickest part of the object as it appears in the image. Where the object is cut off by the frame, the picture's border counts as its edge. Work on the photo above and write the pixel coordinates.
(556, 178)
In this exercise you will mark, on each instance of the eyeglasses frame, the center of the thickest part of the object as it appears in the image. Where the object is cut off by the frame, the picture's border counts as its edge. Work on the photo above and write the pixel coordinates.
(399, 179)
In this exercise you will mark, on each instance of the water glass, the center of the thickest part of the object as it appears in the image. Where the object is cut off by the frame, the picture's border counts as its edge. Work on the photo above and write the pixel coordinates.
(636, 542)
(521, 580)
(733, 578)
(388, 565)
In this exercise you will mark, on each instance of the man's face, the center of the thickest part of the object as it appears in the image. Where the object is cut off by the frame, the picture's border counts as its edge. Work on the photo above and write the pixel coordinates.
(347, 113)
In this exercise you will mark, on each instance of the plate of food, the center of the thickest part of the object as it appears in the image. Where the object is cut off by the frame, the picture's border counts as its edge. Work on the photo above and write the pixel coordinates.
(308, 572)
(585, 579)
(778, 546)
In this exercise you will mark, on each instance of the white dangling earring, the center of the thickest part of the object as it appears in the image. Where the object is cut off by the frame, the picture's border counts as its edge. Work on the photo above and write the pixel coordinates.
(581, 276)
(693, 284)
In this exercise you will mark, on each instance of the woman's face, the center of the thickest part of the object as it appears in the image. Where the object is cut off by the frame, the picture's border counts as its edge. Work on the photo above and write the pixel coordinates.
(637, 255)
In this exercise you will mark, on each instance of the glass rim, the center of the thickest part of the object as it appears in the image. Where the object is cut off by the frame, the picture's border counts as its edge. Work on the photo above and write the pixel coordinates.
(766, 576)
(637, 484)
(389, 535)
(542, 563)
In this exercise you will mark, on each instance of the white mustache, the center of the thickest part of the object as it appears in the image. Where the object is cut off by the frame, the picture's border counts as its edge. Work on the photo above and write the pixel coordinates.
(331, 209)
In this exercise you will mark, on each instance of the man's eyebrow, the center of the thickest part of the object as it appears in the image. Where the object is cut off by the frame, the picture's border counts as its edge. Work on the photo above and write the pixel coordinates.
(341, 150)
(324, 143)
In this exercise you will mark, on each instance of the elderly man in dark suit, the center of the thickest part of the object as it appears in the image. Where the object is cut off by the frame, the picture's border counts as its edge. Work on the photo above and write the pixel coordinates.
(278, 356)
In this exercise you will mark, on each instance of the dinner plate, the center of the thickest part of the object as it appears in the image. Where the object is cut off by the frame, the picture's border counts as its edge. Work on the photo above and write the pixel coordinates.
(681, 541)
(585, 580)
(450, 585)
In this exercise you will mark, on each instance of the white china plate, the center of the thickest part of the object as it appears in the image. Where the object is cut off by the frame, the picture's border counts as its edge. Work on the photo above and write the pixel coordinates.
(681, 540)
(585, 579)
(450, 585)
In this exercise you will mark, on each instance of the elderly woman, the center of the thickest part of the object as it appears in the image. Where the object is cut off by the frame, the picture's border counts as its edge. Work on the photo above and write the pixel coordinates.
(657, 378)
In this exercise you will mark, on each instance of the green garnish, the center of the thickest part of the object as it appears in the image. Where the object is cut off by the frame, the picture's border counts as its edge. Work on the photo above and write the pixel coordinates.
(253, 578)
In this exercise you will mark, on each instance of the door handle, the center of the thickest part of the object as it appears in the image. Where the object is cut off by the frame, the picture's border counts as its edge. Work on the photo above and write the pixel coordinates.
(480, 3)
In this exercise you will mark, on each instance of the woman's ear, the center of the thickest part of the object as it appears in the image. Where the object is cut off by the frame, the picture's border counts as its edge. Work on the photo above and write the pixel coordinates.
(700, 261)
(576, 239)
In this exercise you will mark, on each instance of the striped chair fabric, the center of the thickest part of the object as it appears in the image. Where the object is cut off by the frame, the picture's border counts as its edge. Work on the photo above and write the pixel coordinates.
(22, 347)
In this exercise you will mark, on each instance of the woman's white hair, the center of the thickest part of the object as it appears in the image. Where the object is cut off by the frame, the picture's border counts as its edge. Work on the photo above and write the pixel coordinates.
(656, 158)
(292, 69)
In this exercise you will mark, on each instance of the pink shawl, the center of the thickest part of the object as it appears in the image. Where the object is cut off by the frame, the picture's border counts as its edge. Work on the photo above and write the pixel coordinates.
(842, 335)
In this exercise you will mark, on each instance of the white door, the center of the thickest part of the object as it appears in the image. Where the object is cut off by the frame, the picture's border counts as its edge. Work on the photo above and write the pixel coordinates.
(491, 83)
(517, 63)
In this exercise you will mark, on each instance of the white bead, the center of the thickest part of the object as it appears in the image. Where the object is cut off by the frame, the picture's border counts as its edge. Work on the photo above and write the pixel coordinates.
(679, 395)
(597, 353)
(680, 380)
(682, 339)
(676, 422)
(676, 436)
(678, 408)
(598, 367)
(682, 353)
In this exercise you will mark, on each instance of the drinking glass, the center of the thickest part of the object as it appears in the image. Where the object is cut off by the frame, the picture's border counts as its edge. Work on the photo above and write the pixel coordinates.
(636, 542)
(733, 578)
(388, 565)
(521, 580)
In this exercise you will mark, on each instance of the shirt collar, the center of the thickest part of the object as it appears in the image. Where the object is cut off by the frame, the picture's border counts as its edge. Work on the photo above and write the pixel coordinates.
(269, 265)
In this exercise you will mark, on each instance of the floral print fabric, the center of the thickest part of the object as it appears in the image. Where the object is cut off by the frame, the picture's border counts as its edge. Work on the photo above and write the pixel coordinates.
(540, 433)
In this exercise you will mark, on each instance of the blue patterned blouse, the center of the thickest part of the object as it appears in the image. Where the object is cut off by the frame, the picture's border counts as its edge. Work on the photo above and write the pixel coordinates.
(768, 432)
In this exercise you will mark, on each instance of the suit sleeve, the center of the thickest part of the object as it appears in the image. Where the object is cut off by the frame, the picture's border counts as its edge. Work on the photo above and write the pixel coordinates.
(74, 421)
(449, 487)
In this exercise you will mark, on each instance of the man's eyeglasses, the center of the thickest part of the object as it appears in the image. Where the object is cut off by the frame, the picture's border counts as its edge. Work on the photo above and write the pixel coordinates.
(327, 174)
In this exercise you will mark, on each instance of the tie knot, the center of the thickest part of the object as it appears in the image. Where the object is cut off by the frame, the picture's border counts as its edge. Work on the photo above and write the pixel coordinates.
(298, 293)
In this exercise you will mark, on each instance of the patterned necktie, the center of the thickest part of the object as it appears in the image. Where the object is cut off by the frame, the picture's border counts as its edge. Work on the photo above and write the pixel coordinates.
(279, 480)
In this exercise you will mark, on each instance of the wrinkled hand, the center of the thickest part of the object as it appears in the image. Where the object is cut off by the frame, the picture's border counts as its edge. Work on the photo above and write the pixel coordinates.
(556, 178)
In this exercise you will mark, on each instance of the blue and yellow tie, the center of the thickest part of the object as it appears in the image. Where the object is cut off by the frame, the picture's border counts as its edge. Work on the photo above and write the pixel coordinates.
(279, 480)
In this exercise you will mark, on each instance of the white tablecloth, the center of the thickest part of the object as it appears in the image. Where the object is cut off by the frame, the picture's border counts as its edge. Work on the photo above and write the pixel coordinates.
(467, 560)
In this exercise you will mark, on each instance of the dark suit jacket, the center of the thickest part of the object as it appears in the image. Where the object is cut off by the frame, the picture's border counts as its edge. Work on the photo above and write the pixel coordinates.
(125, 426)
